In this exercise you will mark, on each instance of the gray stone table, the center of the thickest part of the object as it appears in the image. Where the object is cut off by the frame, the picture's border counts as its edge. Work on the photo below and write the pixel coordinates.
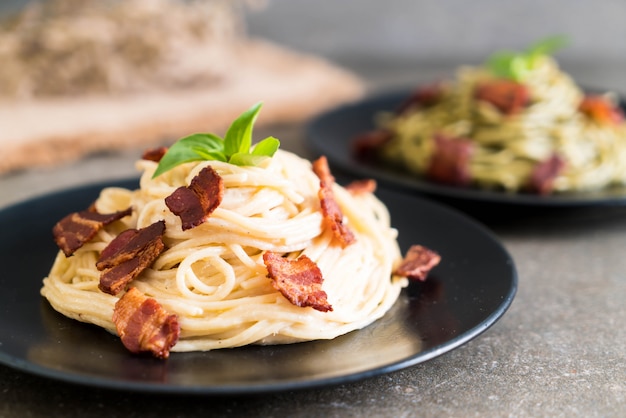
(560, 350)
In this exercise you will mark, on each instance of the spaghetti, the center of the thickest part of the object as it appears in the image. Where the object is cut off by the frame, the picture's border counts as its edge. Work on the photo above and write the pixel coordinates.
(509, 144)
(213, 276)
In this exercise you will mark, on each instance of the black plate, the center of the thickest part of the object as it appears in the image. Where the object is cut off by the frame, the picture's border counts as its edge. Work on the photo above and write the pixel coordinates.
(331, 133)
(471, 288)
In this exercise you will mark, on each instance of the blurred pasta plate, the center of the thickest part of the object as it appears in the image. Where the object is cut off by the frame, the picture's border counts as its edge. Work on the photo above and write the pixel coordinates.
(331, 134)
(462, 298)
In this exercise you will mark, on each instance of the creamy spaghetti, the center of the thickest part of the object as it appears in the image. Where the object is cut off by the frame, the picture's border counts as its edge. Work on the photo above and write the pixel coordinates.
(508, 147)
(213, 276)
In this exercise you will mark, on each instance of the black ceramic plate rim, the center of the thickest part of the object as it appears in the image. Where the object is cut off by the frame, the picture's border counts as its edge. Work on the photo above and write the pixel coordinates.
(25, 365)
(331, 132)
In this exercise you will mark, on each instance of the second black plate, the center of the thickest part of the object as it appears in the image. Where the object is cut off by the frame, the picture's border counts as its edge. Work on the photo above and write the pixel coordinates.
(331, 133)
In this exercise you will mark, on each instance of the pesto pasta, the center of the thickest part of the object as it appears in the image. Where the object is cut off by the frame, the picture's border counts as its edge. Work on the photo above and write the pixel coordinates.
(541, 133)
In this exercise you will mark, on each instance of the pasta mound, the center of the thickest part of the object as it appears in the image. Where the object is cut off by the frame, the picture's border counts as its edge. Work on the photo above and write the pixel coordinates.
(213, 276)
(508, 147)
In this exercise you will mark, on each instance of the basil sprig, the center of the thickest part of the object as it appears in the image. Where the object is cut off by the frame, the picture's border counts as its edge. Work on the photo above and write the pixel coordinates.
(234, 148)
(517, 65)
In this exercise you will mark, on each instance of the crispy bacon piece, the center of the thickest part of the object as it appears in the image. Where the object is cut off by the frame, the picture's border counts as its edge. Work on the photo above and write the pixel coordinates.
(424, 96)
(128, 255)
(601, 110)
(417, 263)
(449, 163)
(366, 146)
(144, 326)
(330, 209)
(361, 186)
(299, 280)
(154, 154)
(543, 175)
(508, 96)
(194, 204)
(78, 228)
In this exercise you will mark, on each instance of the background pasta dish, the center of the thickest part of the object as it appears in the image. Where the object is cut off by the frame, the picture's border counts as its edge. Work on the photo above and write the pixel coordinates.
(517, 123)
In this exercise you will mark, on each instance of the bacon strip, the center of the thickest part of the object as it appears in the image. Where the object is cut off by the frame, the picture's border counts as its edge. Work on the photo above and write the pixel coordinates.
(417, 263)
(330, 209)
(544, 173)
(128, 255)
(78, 228)
(154, 154)
(366, 146)
(449, 163)
(601, 110)
(508, 96)
(361, 186)
(144, 326)
(194, 204)
(300, 280)
(424, 96)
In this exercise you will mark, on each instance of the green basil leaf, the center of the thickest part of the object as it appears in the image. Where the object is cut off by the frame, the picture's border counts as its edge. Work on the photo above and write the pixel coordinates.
(191, 148)
(520, 67)
(211, 155)
(499, 63)
(266, 147)
(238, 138)
(547, 46)
(233, 148)
(243, 159)
(176, 157)
(517, 65)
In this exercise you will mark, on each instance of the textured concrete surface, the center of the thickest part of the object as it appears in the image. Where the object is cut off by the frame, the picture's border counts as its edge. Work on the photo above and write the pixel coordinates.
(560, 351)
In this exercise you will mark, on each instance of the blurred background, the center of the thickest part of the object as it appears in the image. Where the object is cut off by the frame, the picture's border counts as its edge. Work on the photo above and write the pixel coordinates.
(424, 36)
(384, 45)
(408, 40)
